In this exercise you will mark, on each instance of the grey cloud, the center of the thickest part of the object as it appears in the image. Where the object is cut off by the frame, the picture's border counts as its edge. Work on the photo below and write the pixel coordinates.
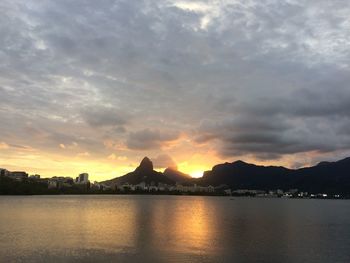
(97, 116)
(271, 76)
(163, 161)
(148, 139)
(274, 135)
(202, 138)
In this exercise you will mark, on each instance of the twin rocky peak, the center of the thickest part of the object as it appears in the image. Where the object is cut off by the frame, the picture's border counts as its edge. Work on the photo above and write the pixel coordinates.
(146, 165)
(146, 173)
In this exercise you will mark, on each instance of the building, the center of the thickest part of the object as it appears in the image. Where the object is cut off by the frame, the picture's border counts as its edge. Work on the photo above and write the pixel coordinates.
(249, 192)
(228, 192)
(34, 176)
(98, 186)
(211, 189)
(163, 187)
(52, 184)
(82, 178)
(59, 182)
(152, 188)
(279, 192)
(4, 172)
(141, 186)
(125, 187)
(18, 175)
(194, 188)
(293, 191)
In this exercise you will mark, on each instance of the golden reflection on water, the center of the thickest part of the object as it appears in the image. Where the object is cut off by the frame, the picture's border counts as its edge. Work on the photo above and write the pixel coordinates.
(170, 229)
(194, 231)
(112, 225)
(185, 228)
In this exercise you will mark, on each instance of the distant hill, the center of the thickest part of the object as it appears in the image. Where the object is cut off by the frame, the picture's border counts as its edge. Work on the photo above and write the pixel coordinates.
(333, 177)
(241, 175)
(143, 173)
(327, 177)
(177, 176)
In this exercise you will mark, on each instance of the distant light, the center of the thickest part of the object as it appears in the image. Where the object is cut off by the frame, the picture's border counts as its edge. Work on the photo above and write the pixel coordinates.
(197, 174)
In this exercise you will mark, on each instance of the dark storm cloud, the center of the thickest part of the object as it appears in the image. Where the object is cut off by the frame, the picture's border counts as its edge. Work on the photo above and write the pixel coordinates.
(277, 133)
(262, 78)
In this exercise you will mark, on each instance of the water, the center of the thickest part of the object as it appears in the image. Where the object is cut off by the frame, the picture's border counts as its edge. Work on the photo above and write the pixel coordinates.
(172, 229)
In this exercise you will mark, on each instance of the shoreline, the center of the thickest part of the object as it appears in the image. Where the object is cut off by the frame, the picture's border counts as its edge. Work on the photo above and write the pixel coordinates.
(180, 194)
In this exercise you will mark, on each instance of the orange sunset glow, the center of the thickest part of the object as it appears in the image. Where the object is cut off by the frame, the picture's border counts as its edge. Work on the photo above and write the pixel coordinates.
(71, 162)
(184, 83)
(174, 131)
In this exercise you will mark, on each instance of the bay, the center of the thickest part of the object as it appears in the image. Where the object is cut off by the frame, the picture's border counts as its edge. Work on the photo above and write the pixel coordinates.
(131, 228)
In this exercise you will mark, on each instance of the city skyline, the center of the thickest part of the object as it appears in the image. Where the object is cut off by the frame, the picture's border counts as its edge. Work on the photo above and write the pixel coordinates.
(95, 87)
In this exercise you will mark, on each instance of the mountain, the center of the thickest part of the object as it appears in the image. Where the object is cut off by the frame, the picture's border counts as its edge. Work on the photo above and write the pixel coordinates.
(323, 163)
(333, 177)
(143, 173)
(176, 176)
(241, 175)
(327, 177)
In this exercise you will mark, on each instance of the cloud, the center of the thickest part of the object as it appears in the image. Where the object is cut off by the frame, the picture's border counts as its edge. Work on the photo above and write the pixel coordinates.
(98, 116)
(115, 157)
(260, 78)
(148, 139)
(203, 138)
(4, 146)
(163, 161)
(83, 154)
(271, 134)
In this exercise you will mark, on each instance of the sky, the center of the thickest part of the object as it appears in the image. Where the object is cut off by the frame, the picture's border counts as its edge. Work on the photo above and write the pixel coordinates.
(94, 86)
